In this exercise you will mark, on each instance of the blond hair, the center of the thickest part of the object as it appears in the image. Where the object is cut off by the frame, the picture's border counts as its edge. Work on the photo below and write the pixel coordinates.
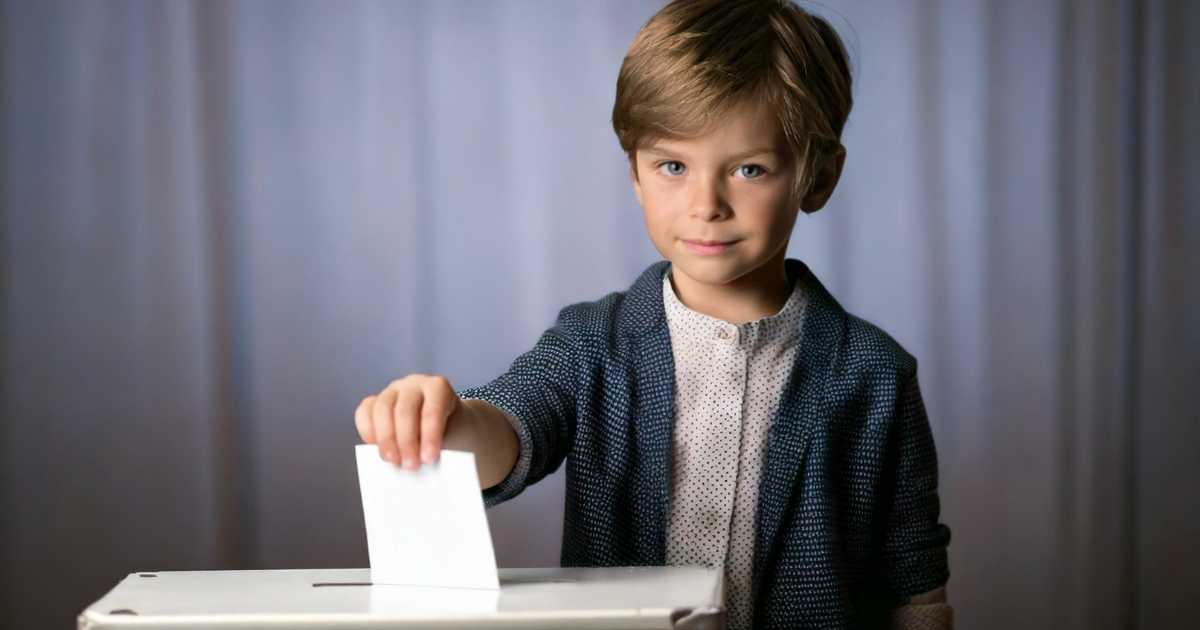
(694, 60)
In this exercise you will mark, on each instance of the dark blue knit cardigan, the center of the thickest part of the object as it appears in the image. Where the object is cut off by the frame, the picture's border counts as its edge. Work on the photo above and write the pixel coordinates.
(847, 524)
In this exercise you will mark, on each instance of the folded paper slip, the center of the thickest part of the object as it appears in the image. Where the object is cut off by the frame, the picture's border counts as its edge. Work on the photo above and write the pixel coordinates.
(625, 598)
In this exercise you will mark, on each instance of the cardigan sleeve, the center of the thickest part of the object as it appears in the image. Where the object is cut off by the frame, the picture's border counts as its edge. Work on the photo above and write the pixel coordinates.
(537, 395)
(914, 541)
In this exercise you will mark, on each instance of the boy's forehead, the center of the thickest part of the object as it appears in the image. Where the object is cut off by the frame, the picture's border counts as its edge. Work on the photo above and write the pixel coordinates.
(746, 129)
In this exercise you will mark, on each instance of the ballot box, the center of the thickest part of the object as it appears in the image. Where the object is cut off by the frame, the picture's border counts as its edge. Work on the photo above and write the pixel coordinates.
(319, 599)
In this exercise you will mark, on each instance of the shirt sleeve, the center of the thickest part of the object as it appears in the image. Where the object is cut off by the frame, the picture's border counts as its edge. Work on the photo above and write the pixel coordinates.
(914, 541)
(537, 395)
(928, 611)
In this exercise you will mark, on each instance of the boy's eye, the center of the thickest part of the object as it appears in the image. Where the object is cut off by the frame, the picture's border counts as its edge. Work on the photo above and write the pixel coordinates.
(672, 168)
(751, 171)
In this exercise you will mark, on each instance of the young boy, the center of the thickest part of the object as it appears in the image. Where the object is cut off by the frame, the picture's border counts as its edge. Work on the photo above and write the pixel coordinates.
(725, 410)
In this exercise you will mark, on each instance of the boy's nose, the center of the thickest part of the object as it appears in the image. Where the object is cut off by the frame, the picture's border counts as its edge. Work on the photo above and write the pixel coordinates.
(708, 201)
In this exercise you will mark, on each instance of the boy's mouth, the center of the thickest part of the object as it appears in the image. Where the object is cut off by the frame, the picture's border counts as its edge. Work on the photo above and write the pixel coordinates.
(707, 248)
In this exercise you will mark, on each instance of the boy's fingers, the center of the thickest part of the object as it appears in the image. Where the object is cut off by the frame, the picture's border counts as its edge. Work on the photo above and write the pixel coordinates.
(408, 416)
(440, 402)
(385, 431)
(362, 420)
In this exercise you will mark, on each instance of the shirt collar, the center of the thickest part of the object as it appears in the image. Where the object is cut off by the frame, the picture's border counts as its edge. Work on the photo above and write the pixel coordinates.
(693, 327)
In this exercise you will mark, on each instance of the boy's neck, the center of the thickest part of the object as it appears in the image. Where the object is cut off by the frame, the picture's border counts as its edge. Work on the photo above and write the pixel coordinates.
(758, 294)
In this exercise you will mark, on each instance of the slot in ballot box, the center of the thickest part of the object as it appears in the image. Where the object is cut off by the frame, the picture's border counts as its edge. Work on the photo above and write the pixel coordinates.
(320, 599)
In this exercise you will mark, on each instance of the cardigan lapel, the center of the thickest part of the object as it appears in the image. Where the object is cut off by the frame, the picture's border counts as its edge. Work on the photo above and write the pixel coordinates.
(654, 401)
(821, 330)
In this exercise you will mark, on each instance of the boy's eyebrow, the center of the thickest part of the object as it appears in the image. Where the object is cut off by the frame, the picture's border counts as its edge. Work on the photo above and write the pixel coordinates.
(737, 156)
(752, 152)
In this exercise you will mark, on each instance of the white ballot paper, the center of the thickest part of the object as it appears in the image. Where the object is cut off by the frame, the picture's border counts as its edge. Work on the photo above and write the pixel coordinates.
(426, 527)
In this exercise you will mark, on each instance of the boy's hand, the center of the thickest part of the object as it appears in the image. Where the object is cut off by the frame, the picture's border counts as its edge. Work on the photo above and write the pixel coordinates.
(407, 417)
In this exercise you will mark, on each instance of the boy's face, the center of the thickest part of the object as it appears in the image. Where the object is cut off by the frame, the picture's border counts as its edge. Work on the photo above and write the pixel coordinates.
(720, 206)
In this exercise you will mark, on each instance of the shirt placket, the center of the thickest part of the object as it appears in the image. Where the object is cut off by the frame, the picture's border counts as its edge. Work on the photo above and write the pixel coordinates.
(738, 563)
(733, 357)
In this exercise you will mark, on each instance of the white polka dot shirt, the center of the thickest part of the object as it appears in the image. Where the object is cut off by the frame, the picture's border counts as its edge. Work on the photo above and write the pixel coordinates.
(728, 381)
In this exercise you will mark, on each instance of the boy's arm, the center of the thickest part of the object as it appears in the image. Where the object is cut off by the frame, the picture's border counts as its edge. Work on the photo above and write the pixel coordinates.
(537, 398)
(484, 430)
(915, 541)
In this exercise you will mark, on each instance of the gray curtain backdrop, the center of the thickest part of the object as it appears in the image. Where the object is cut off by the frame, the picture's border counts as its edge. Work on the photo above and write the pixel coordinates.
(224, 223)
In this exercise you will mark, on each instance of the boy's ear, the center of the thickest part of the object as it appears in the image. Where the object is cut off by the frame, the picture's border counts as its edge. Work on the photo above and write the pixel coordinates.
(826, 180)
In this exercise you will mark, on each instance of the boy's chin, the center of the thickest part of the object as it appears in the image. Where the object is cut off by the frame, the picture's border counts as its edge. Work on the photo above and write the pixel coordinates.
(713, 271)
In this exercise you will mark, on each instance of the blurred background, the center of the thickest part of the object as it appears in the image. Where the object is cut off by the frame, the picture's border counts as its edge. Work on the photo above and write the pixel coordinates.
(224, 223)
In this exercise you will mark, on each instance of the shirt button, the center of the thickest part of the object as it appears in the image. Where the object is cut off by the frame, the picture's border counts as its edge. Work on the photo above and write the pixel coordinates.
(727, 335)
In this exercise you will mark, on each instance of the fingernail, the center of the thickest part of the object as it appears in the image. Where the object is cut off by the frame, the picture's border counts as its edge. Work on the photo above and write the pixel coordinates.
(409, 463)
(427, 454)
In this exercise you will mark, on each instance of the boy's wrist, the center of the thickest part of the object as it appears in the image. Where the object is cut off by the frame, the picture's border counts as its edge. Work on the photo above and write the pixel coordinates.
(483, 429)
(462, 427)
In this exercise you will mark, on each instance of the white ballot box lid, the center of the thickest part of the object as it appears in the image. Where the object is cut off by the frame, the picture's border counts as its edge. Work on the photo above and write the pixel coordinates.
(633, 597)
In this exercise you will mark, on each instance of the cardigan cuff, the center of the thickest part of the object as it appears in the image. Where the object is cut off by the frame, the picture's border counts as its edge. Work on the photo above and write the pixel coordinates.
(515, 482)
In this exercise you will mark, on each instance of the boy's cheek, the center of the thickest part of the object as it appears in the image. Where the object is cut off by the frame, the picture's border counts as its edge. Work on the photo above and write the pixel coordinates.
(661, 206)
(661, 234)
